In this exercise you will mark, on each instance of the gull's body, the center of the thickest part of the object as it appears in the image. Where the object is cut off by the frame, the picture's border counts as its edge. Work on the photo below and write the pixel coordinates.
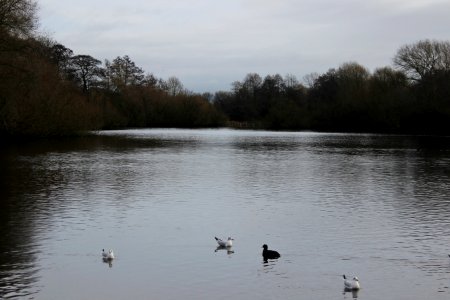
(108, 255)
(351, 284)
(228, 243)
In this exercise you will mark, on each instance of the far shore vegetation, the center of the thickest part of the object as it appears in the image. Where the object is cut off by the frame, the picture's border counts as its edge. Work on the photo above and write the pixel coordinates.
(48, 90)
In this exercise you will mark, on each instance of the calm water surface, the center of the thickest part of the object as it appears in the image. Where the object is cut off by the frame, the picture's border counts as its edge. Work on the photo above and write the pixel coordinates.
(368, 205)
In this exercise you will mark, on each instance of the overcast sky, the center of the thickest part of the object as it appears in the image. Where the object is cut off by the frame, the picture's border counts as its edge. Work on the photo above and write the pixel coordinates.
(208, 44)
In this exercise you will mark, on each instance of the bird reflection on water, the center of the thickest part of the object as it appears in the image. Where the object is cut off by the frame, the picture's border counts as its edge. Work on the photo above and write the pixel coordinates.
(228, 249)
(354, 293)
(108, 261)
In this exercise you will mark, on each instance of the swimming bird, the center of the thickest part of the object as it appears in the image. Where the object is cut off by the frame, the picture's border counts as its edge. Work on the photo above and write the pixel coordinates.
(108, 255)
(228, 243)
(269, 254)
(351, 284)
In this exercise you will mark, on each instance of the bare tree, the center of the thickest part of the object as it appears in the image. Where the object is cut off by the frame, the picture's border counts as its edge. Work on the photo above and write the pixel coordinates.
(310, 79)
(18, 17)
(174, 86)
(423, 58)
(252, 82)
(352, 71)
(273, 85)
(387, 78)
(86, 70)
(291, 81)
(121, 72)
(59, 55)
(150, 80)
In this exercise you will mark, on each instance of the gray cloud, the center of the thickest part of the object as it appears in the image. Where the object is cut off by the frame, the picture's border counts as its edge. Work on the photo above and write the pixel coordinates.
(209, 44)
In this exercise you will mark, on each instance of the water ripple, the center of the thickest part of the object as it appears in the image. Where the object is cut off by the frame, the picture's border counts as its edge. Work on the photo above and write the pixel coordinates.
(372, 205)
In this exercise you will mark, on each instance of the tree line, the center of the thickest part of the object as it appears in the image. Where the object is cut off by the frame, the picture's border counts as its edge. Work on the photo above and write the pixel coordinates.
(48, 90)
(411, 97)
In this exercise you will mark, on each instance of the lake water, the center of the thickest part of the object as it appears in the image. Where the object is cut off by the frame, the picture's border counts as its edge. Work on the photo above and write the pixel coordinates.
(374, 206)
